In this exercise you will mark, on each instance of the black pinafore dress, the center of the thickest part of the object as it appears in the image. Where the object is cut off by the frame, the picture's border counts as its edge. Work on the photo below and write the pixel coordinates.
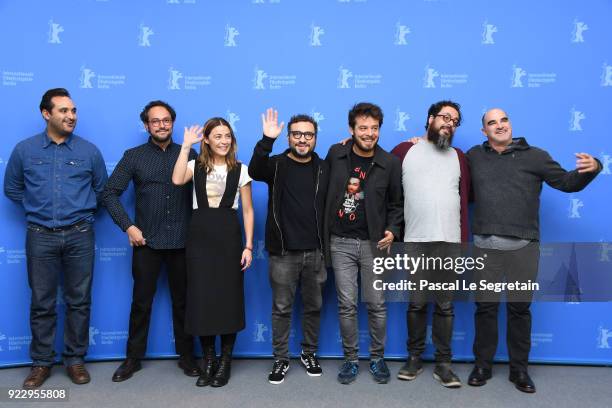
(215, 281)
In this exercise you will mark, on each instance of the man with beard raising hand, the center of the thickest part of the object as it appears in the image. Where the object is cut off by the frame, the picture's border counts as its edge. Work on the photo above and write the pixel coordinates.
(297, 185)
(436, 181)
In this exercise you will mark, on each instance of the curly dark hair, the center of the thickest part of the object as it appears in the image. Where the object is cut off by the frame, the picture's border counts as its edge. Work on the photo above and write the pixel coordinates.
(365, 109)
(435, 108)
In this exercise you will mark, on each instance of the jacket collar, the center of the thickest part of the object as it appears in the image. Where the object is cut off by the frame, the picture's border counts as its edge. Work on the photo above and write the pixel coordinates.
(315, 157)
(518, 143)
(380, 158)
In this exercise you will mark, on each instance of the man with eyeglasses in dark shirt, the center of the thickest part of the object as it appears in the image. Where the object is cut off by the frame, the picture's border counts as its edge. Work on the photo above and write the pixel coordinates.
(297, 185)
(157, 235)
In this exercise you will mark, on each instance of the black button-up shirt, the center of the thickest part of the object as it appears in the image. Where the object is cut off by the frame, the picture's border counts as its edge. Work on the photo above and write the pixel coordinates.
(162, 209)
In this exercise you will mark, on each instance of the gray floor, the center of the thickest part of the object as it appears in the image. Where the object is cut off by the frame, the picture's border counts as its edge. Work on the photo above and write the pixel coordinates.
(161, 384)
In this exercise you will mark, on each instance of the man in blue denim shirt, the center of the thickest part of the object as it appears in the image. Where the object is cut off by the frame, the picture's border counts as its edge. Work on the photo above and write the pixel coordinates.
(58, 177)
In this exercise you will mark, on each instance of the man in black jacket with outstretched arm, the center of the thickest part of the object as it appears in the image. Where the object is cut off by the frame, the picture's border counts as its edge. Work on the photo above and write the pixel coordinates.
(297, 184)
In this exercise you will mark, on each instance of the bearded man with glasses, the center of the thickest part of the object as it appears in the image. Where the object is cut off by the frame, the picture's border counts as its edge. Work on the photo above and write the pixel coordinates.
(157, 234)
(297, 185)
(436, 222)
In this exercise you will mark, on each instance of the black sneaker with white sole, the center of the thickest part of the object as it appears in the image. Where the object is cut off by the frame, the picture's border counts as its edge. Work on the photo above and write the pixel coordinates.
(410, 370)
(311, 363)
(446, 377)
(279, 369)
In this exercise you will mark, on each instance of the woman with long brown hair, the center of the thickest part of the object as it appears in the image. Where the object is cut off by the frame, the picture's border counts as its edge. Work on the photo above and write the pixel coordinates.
(215, 255)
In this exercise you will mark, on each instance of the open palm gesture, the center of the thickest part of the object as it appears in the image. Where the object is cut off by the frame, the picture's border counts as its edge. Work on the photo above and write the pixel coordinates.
(269, 122)
(192, 135)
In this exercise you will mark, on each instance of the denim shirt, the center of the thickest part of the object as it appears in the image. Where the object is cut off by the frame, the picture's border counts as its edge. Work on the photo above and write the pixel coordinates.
(57, 184)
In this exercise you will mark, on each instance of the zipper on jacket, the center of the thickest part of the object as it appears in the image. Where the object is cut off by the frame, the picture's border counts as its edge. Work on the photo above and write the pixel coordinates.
(315, 208)
(274, 210)
(365, 209)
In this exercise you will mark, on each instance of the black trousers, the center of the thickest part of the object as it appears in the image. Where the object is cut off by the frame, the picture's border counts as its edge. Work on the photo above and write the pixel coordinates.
(146, 265)
(444, 311)
(518, 265)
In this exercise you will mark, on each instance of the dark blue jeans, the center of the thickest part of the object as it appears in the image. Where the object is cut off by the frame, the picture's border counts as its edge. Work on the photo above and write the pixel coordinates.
(49, 253)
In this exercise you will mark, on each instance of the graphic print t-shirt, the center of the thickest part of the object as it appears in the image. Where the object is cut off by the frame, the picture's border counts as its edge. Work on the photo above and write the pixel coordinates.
(215, 185)
(351, 216)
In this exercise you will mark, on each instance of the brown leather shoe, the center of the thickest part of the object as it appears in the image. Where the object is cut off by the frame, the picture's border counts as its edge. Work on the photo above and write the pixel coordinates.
(37, 376)
(78, 374)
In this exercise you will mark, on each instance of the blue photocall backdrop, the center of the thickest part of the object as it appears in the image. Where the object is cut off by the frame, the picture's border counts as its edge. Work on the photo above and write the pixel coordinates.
(547, 63)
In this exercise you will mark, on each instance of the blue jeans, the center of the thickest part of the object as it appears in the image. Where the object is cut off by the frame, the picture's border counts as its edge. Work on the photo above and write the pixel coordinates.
(352, 259)
(306, 268)
(49, 253)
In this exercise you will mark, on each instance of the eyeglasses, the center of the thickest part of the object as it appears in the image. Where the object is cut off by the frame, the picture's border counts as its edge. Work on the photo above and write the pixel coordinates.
(297, 135)
(158, 122)
(447, 118)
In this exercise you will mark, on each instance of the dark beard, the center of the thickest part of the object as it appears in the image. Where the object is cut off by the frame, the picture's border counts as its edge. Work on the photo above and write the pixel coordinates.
(441, 142)
(158, 140)
(300, 155)
(358, 144)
